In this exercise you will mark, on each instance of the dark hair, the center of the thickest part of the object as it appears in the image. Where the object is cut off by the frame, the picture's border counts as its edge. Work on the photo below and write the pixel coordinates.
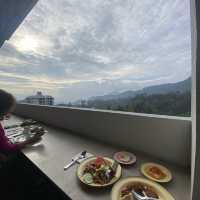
(7, 101)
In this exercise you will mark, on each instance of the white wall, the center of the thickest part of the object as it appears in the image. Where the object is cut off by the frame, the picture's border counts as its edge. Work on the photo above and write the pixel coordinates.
(166, 138)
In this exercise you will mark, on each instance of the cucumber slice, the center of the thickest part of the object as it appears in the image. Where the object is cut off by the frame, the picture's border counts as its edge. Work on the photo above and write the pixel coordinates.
(88, 179)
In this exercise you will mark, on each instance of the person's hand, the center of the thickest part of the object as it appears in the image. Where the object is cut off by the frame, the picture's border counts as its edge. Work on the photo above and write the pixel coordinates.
(30, 141)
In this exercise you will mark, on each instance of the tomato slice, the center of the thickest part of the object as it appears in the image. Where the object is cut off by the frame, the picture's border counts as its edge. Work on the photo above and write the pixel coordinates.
(99, 161)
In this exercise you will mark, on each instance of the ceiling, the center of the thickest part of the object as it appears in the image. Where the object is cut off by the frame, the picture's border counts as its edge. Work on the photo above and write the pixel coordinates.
(12, 13)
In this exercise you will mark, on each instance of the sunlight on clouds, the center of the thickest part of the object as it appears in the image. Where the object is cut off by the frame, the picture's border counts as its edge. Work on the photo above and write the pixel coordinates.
(27, 44)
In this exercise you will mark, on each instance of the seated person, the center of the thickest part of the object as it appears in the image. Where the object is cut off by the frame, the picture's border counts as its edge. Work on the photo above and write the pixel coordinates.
(7, 105)
(20, 179)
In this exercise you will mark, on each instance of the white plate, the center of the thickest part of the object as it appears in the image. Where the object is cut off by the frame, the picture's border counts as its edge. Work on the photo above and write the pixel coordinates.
(161, 191)
(146, 166)
(83, 165)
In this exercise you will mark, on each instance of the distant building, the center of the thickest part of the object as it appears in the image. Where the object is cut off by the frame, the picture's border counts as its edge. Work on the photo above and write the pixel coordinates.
(39, 99)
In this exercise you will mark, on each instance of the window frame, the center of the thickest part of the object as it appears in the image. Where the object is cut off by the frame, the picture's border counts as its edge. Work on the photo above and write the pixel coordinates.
(195, 163)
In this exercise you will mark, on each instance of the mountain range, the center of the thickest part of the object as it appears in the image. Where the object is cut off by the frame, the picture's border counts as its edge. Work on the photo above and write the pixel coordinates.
(181, 87)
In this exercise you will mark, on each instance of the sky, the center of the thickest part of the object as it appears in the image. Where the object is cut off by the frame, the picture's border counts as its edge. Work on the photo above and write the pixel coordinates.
(75, 49)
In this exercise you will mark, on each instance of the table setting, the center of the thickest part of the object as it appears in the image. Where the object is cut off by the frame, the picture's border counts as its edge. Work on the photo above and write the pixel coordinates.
(61, 146)
(24, 131)
(103, 172)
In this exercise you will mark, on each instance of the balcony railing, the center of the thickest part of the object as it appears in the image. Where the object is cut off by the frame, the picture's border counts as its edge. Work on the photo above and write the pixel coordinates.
(164, 137)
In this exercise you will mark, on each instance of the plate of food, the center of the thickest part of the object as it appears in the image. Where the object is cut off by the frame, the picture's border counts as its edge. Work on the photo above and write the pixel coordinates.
(99, 171)
(38, 130)
(27, 133)
(156, 172)
(123, 189)
(125, 158)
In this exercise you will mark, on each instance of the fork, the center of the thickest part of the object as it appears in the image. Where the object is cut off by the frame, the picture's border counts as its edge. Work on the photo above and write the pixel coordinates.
(75, 159)
(140, 197)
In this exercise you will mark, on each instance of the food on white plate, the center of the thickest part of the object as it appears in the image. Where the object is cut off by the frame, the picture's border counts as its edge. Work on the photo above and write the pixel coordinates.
(156, 172)
(127, 197)
(140, 188)
(28, 122)
(124, 188)
(98, 171)
(38, 130)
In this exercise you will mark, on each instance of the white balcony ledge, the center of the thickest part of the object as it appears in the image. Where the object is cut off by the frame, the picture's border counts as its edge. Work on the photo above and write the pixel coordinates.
(164, 137)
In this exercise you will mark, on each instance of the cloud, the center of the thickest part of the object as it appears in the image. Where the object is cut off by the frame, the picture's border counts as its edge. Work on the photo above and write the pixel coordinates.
(75, 49)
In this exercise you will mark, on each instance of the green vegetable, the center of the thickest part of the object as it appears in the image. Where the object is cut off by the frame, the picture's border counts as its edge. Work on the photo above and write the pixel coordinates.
(88, 178)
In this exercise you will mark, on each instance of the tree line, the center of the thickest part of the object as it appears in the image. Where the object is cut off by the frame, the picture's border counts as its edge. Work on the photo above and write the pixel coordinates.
(173, 103)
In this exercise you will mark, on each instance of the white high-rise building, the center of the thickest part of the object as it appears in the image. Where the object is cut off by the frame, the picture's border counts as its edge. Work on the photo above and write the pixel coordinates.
(40, 99)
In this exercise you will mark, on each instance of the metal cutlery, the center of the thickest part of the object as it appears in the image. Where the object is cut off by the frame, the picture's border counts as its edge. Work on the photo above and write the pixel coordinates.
(12, 126)
(140, 197)
(75, 159)
(12, 133)
(25, 131)
(15, 135)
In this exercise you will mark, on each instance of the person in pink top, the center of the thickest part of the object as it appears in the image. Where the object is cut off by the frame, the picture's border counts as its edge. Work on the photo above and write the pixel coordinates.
(20, 178)
(7, 105)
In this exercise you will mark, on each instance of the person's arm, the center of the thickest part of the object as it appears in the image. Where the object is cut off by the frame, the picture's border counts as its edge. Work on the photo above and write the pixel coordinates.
(7, 146)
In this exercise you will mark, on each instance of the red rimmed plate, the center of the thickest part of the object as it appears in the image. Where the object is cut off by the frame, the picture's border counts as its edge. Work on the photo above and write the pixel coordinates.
(125, 158)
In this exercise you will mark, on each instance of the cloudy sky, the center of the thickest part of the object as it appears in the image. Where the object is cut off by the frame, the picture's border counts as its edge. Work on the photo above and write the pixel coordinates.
(74, 49)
